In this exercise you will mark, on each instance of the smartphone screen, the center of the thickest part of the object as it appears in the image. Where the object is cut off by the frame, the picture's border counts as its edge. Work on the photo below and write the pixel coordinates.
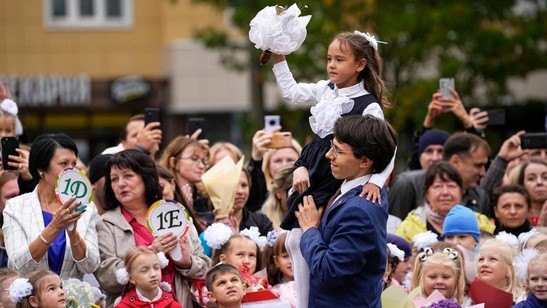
(194, 124)
(445, 84)
(151, 115)
(9, 144)
(534, 141)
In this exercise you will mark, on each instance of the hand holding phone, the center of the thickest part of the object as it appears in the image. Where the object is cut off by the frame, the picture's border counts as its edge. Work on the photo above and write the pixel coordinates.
(9, 146)
(445, 84)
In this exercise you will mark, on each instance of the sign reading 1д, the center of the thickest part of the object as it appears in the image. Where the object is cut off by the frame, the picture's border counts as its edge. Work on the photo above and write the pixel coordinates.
(72, 182)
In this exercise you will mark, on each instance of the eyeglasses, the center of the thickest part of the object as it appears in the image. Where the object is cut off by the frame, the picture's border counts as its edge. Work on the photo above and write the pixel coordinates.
(337, 151)
(196, 160)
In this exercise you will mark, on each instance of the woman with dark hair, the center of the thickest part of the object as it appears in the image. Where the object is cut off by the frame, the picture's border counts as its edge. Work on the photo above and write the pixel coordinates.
(443, 190)
(35, 224)
(131, 187)
(511, 210)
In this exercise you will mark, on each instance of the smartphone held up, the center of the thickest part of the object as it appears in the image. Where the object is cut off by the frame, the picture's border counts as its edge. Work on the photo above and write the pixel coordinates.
(9, 146)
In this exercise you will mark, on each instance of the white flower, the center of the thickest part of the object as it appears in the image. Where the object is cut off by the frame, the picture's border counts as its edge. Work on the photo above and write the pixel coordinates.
(281, 34)
(525, 236)
(10, 107)
(508, 238)
(122, 276)
(394, 251)
(521, 263)
(424, 239)
(165, 286)
(370, 38)
(19, 289)
(163, 259)
(217, 234)
(254, 235)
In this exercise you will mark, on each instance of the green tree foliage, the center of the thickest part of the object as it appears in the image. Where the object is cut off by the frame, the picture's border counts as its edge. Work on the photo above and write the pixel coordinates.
(481, 43)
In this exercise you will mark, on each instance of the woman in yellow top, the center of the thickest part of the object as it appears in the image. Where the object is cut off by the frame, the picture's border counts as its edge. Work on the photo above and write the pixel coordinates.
(443, 190)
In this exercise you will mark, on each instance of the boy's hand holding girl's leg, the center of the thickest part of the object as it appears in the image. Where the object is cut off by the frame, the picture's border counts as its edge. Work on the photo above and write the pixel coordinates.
(372, 192)
(300, 179)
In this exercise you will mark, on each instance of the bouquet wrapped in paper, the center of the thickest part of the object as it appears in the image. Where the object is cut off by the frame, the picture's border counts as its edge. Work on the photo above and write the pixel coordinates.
(278, 30)
(221, 183)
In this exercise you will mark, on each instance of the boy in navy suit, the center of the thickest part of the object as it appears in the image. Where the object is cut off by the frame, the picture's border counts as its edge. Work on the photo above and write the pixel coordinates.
(344, 245)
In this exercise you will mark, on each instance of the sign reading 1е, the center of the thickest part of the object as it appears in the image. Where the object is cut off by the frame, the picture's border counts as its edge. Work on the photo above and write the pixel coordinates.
(168, 216)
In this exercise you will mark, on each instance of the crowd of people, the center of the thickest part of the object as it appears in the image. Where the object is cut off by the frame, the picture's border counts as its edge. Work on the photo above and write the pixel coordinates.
(329, 224)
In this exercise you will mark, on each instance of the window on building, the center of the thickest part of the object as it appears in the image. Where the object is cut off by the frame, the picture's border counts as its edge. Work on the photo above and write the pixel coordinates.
(88, 14)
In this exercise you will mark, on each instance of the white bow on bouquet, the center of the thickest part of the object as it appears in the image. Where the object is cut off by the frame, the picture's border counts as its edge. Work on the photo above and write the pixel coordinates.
(278, 30)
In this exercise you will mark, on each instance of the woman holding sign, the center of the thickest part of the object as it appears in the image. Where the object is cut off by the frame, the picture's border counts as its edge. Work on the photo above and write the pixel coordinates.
(42, 233)
(131, 187)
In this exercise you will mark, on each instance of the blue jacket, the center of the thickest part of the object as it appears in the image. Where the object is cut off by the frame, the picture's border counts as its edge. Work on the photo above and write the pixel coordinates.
(531, 302)
(347, 254)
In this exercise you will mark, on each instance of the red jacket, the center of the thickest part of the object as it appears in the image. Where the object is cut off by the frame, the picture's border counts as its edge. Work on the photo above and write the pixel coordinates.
(131, 300)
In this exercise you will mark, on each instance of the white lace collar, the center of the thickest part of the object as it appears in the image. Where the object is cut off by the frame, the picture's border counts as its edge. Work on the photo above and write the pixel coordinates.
(353, 91)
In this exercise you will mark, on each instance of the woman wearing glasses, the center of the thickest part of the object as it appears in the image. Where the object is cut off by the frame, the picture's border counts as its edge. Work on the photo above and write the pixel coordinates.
(188, 160)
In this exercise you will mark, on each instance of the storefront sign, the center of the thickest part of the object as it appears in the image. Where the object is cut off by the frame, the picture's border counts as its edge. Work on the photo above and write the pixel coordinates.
(129, 89)
(50, 91)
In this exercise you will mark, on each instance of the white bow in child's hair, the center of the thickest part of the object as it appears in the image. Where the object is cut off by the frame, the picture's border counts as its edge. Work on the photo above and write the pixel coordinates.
(394, 251)
(424, 239)
(217, 234)
(122, 276)
(19, 289)
(370, 38)
(521, 263)
(508, 238)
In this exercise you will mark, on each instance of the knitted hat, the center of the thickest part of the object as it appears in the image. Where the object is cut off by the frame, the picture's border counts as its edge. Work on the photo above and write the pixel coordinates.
(96, 169)
(461, 220)
(431, 137)
(401, 243)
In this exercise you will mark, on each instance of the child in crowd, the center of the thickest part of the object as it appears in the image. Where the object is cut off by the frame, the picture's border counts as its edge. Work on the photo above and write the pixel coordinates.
(536, 282)
(143, 270)
(394, 258)
(7, 276)
(241, 250)
(225, 286)
(442, 271)
(355, 87)
(279, 267)
(10, 125)
(41, 289)
(495, 266)
(401, 272)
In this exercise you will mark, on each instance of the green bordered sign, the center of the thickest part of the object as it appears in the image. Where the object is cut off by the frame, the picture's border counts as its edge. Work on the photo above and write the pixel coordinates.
(73, 182)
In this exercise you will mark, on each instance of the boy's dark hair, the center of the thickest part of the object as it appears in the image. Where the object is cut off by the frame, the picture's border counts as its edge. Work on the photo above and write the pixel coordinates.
(463, 144)
(221, 268)
(368, 136)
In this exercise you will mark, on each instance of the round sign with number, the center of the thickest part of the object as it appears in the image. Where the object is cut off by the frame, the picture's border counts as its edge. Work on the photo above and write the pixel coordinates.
(73, 182)
(168, 216)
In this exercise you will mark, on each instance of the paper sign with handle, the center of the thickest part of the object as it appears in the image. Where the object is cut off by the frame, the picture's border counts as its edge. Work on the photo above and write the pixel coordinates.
(73, 183)
(168, 216)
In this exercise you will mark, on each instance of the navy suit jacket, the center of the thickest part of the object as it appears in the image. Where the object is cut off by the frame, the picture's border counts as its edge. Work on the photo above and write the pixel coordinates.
(347, 254)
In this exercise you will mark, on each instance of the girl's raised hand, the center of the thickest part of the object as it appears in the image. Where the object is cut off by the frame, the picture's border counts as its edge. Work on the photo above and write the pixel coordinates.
(372, 192)
(300, 180)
